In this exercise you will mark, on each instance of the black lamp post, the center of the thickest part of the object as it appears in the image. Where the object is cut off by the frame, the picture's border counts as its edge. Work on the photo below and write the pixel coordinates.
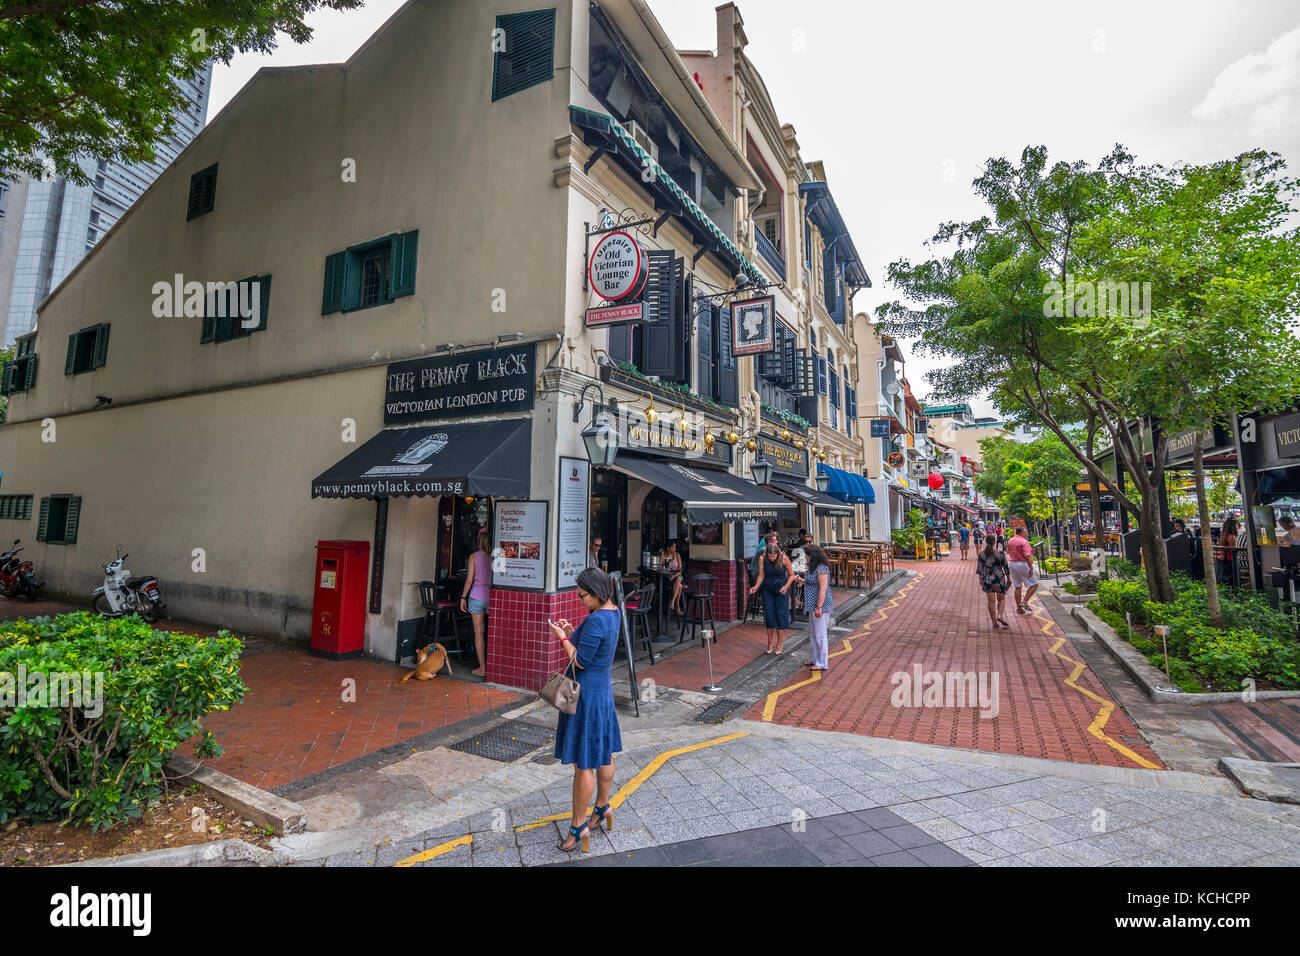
(823, 479)
(761, 469)
(600, 437)
(1055, 494)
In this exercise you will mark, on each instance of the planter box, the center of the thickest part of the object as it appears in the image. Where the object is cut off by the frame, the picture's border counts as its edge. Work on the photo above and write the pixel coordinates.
(612, 376)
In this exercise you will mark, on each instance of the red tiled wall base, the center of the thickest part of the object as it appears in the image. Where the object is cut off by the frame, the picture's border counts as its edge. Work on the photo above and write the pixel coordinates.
(728, 581)
(521, 650)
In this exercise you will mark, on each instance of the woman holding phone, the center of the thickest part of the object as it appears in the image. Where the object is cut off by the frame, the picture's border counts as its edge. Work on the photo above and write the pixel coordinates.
(590, 737)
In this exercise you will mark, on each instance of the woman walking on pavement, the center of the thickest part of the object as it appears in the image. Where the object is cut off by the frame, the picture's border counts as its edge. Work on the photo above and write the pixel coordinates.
(818, 604)
(995, 577)
(590, 737)
(775, 577)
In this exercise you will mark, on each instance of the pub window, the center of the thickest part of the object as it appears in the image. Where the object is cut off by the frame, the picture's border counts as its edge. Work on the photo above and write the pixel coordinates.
(661, 345)
(203, 192)
(524, 51)
(87, 350)
(223, 317)
(60, 515)
(371, 273)
(19, 375)
(16, 507)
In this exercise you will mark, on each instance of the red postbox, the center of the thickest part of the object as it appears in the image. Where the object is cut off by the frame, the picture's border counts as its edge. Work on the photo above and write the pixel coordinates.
(338, 613)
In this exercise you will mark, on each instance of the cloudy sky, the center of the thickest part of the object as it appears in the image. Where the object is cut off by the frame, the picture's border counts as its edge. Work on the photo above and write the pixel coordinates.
(904, 101)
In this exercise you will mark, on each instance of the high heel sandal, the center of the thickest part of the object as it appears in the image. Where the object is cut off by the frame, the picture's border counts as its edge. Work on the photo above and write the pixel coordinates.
(603, 814)
(579, 837)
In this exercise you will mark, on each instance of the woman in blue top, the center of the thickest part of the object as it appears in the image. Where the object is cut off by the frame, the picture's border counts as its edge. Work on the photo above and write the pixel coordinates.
(589, 738)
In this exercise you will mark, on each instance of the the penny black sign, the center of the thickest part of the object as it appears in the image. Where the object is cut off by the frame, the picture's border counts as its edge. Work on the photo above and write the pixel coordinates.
(458, 386)
(667, 439)
(786, 460)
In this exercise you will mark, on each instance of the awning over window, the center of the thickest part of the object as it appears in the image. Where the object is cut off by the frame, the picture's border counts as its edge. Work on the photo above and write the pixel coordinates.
(709, 495)
(846, 486)
(823, 504)
(483, 459)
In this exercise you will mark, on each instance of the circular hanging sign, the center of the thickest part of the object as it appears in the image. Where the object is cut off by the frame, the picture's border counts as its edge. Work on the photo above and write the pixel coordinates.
(895, 459)
(935, 480)
(618, 267)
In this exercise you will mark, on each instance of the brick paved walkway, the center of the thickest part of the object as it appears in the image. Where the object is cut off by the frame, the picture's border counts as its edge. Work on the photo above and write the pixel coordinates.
(1048, 703)
(1266, 730)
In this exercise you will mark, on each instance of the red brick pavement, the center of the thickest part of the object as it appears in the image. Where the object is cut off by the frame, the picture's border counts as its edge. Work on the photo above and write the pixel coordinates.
(293, 720)
(736, 647)
(941, 623)
(1266, 730)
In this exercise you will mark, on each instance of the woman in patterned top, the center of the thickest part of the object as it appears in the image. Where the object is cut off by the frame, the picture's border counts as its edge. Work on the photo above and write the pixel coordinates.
(995, 577)
(817, 604)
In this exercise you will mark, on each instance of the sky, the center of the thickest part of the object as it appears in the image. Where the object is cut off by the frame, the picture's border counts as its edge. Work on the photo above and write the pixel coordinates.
(904, 101)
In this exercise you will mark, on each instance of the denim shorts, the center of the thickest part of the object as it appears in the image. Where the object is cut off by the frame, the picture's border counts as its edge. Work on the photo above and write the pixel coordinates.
(476, 606)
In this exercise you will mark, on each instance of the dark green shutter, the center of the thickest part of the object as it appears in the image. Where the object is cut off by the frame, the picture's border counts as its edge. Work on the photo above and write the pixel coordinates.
(203, 192)
(101, 346)
(619, 343)
(44, 520)
(332, 300)
(705, 367)
(661, 335)
(401, 271)
(265, 302)
(70, 363)
(352, 281)
(74, 514)
(209, 330)
(31, 372)
(821, 376)
(728, 380)
(529, 54)
(830, 293)
(7, 379)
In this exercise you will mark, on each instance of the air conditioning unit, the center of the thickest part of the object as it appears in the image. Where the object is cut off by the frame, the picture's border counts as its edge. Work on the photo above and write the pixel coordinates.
(643, 139)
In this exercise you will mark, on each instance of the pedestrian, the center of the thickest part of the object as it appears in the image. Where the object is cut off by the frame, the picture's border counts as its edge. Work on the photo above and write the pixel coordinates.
(672, 561)
(1020, 560)
(590, 737)
(1227, 553)
(818, 603)
(964, 534)
(995, 578)
(775, 578)
(474, 597)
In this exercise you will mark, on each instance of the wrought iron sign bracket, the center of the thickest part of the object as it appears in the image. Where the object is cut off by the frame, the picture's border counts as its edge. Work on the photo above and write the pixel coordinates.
(622, 222)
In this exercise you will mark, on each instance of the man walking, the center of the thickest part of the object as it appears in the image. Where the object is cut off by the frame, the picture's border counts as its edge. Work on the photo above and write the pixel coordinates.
(963, 533)
(1020, 556)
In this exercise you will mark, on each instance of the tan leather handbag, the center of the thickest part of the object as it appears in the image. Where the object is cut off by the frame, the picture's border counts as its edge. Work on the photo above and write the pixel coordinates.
(561, 691)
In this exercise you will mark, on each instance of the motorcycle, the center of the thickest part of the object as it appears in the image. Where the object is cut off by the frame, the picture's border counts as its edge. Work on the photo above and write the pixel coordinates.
(123, 594)
(17, 577)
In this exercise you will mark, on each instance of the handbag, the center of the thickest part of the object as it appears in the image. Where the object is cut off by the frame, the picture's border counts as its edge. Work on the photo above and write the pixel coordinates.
(561, 691)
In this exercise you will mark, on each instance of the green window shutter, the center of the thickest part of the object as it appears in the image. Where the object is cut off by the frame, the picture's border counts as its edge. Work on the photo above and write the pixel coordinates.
(265, 302)
(31, 373)
(74, 516)
(401, 270)
(335, 267)
(101, 346)
(529, 54)
(44, 520)
(209, 330)
(351, 281)
(70, 363)
(7, 379)
(203, 192)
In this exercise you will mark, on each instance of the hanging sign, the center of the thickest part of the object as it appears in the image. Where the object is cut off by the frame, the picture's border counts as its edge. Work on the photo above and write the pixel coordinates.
(880, 428)
(618, 267)
(753, 326)
(895, 459)
(615, 315)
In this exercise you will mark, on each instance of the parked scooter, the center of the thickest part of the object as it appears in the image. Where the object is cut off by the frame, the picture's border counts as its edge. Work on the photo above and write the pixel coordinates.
(17, 577)
(123, 594)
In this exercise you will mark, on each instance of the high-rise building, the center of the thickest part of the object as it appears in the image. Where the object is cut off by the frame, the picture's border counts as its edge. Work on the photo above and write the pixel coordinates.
(57, 222)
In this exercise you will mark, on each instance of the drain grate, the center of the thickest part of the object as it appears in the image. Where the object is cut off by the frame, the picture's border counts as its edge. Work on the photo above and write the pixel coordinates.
(718, 711)
(507, 741)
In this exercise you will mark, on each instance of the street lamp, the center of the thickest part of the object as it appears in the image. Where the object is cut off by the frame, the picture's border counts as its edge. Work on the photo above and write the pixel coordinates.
(1054, 494)
(761, 469)
(600, 437)
(823, 479)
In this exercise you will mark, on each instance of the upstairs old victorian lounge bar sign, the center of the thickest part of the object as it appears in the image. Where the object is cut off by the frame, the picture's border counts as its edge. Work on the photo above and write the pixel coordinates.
(459, 386)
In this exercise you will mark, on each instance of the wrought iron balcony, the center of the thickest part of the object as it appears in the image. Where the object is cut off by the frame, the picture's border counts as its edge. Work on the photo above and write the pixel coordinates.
(776, 396)
(769, 252)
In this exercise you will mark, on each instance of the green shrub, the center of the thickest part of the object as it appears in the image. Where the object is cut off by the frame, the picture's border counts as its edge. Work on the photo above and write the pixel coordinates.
(1121, 596)
(101, 763)
(1070, 587)
(1123, 569)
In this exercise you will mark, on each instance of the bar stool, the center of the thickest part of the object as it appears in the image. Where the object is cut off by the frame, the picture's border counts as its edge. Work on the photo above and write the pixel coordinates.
(639, 608)
(435, 609)
(699, 602)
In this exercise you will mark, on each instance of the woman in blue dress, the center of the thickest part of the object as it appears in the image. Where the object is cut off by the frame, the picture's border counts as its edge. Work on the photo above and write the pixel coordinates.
(590, 737)
(775, 577)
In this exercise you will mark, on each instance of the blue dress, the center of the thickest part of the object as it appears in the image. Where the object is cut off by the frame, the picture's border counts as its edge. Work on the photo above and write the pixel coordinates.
(776, 606)
(590, 737)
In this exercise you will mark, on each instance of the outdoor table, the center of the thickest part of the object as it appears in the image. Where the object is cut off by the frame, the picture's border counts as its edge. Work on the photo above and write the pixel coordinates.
(663, 577)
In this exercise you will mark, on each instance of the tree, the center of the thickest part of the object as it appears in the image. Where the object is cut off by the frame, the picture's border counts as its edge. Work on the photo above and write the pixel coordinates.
(101, 77)
(6, 357)
(1222, 490)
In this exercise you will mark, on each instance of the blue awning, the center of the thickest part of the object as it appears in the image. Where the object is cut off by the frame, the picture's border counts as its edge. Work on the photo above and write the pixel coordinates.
(847, 486)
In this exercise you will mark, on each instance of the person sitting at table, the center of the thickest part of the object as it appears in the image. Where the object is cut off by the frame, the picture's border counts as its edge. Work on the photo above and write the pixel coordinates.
(1226, 549)
(672, 561)
(593, 556)
(1291, 533)
(775, 578)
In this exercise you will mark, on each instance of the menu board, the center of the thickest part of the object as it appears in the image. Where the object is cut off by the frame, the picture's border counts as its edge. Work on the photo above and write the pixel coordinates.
(519, 545)
(575, 501)
(751, 538)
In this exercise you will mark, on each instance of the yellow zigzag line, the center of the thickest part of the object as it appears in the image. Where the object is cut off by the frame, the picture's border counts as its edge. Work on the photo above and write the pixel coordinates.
(1102, 716)
(769, 706)
(617, 800)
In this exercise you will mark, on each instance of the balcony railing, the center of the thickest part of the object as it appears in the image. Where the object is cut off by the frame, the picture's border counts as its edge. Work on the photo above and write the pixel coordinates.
(769, 252)
(776, 396)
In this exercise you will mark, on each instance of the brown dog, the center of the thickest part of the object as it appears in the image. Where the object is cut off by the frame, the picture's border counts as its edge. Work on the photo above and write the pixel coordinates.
(428, 662)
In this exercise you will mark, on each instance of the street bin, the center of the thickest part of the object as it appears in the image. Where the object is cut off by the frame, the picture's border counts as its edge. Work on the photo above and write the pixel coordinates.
(338, 614)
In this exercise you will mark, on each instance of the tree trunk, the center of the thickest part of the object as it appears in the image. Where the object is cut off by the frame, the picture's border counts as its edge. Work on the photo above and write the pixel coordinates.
(1154, 558)
(1094, 490)
(1207, 549)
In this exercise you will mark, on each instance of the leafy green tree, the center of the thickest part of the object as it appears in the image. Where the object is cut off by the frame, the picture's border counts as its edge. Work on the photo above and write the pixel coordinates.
(5, 357)
(101, 77)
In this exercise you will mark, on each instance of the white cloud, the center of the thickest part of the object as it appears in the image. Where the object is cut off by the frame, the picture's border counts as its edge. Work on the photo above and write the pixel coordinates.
(1260, 91)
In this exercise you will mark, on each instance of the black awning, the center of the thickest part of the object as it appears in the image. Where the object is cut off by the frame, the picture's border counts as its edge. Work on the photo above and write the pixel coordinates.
(483, 459)
(823, 504)
(709, 495)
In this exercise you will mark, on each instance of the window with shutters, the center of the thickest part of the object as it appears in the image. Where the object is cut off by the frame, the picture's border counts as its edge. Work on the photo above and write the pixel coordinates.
(524, 45)
(371, 273)
(237, 310)
(20, 374)
(16, 507)
(203, 192)
(87, 350)
(60, 515)
(662, 345)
